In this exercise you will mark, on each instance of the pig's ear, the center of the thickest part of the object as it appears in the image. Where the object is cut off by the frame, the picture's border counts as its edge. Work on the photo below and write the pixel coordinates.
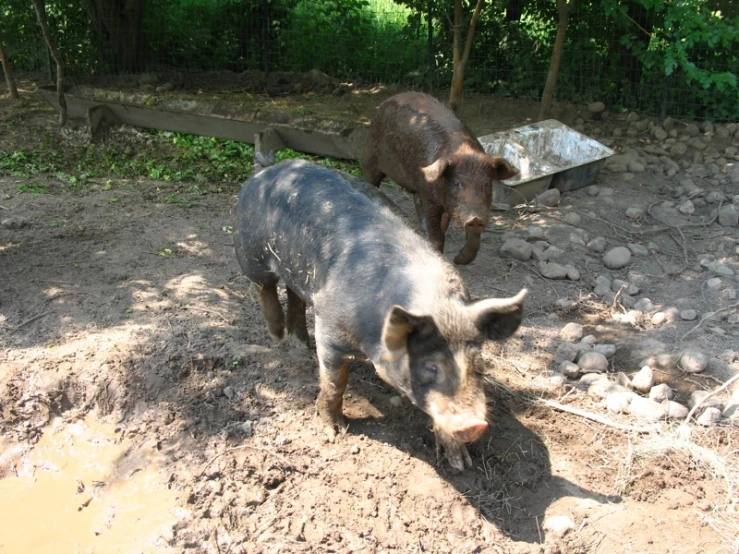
(502, 169)
(432, 172)
(498, 318)
(400, 323)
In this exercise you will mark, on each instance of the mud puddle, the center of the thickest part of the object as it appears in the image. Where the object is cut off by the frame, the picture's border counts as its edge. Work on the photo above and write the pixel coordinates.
(84, 488)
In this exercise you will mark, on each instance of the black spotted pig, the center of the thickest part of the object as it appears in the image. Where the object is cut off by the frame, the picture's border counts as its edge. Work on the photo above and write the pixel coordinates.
(380, 292)
(421, 145)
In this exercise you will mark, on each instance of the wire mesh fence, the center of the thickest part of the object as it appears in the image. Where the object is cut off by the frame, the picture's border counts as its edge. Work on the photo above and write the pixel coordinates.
(615, 58)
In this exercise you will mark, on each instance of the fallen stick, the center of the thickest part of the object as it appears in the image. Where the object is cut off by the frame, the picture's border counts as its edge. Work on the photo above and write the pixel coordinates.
(706, 318)
(30, 320)
(596, 418)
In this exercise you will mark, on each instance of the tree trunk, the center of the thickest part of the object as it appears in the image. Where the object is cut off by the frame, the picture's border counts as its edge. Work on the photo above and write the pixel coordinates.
(564, 8)
(118, 23)
(12, 89)
(460, 58)
(41, 16)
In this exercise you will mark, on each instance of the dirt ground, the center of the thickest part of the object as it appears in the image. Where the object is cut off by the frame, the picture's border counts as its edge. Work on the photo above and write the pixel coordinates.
(144, 407)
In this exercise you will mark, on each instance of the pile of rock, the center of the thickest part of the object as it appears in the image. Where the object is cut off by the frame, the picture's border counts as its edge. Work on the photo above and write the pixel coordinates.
(580, 358)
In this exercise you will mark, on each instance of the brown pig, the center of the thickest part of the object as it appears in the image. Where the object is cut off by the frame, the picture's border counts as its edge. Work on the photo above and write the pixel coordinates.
(421, 145)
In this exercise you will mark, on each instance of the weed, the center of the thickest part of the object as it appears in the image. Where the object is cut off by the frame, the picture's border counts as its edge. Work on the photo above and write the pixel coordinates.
(33, 188)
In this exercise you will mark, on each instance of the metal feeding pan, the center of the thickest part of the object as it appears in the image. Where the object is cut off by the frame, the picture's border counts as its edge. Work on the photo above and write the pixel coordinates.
(547, 153)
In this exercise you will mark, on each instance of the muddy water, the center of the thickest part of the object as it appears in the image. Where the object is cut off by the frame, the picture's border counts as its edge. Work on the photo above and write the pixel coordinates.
(82, 489)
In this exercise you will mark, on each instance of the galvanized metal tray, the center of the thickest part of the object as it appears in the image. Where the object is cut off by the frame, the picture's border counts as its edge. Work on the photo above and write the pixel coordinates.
(547, 154)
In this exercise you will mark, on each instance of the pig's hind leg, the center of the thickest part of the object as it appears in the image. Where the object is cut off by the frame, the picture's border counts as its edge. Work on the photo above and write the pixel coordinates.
(272, 309)
(296, 324)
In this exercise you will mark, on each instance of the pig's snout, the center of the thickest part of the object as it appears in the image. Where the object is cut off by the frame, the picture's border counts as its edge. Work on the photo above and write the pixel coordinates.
(470, 430)
(474, 225)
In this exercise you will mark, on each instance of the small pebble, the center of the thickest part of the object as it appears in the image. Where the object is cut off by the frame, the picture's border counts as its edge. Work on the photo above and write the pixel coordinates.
(566, 352)
(354, 449)
(573, 274)
(714, 283)
(550, 198)
(644, 305)
(618, 402)
(634, 212)
(608, 350)
(686, 208)
(396, 401)
(15, 222)
(572, 218)
(643, 380)
(571, 332)
(617, 257)
(569, 369)
(593, 362)
(661, 392)
(688, 315)
(598, 245)
(710, 416)
(693, 361)
(558, 526)
(675, 410)
(645, 408)
(247, 428)
(589, 339)
(552, 270)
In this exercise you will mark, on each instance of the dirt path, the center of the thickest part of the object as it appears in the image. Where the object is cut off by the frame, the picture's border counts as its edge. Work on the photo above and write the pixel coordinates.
(139, 386)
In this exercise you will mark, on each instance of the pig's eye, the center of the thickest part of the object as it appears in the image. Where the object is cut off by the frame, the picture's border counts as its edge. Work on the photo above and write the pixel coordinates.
(459, 185)
(430, 372)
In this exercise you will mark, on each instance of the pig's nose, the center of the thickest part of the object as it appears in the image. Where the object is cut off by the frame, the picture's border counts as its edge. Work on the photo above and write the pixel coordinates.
(470, 431)
(474, 225)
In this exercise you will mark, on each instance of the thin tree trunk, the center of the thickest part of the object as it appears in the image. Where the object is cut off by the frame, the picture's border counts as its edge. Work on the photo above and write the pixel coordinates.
(41, 16)
(460, 58)
(564, 8)
(12, 89)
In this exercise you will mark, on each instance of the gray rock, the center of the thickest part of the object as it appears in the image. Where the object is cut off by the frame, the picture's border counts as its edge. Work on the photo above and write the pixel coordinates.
(593, 362)
(590, 378)
(571, 332)
(557, 380)
(558, 526)
(709, 417)
(728, 216)
(618, 402)
(714, 197)
(643, 380)
(552, 253)
(589, 339)
(698, 396)
(688, 315)
(617, 257)
(598, 244)
(596, 107)
(644, 305)
(571, 218)
(517, 249)
(659, 133)
(569, 369)
(592, 190)
(166, 87)
(686, 208)
(608, 350)
(635, 166)
(565, 352)
(535, 232)
(549, 198)
(692, 130)
(675, 410)
(637, 249)
(15, 222)
(552, 270)
(148, 79)
(634, 212)
(604, 281)
(693, 361)
(606, 191)
(658, 318)
(603, 388)
(714, 283)
(565, 304)
(678, 149)
(672, 314)
(661, 392)
(644, 408)
(572, 272)
(578, 239)
(631, 288)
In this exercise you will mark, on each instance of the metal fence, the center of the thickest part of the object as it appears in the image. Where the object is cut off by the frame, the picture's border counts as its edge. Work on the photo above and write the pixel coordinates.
(606, 58)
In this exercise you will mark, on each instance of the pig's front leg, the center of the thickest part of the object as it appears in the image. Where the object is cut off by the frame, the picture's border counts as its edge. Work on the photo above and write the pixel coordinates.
(430, 218)
(334, 375)
(454, 450)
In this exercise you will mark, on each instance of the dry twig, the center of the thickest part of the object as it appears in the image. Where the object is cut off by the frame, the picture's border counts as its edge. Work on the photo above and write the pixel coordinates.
(709, 395)
(595, 417)
(709, 316)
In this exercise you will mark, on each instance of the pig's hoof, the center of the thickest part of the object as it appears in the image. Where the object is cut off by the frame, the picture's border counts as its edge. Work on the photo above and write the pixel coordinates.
(334, 425)
(463, 258)
(454, 451)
